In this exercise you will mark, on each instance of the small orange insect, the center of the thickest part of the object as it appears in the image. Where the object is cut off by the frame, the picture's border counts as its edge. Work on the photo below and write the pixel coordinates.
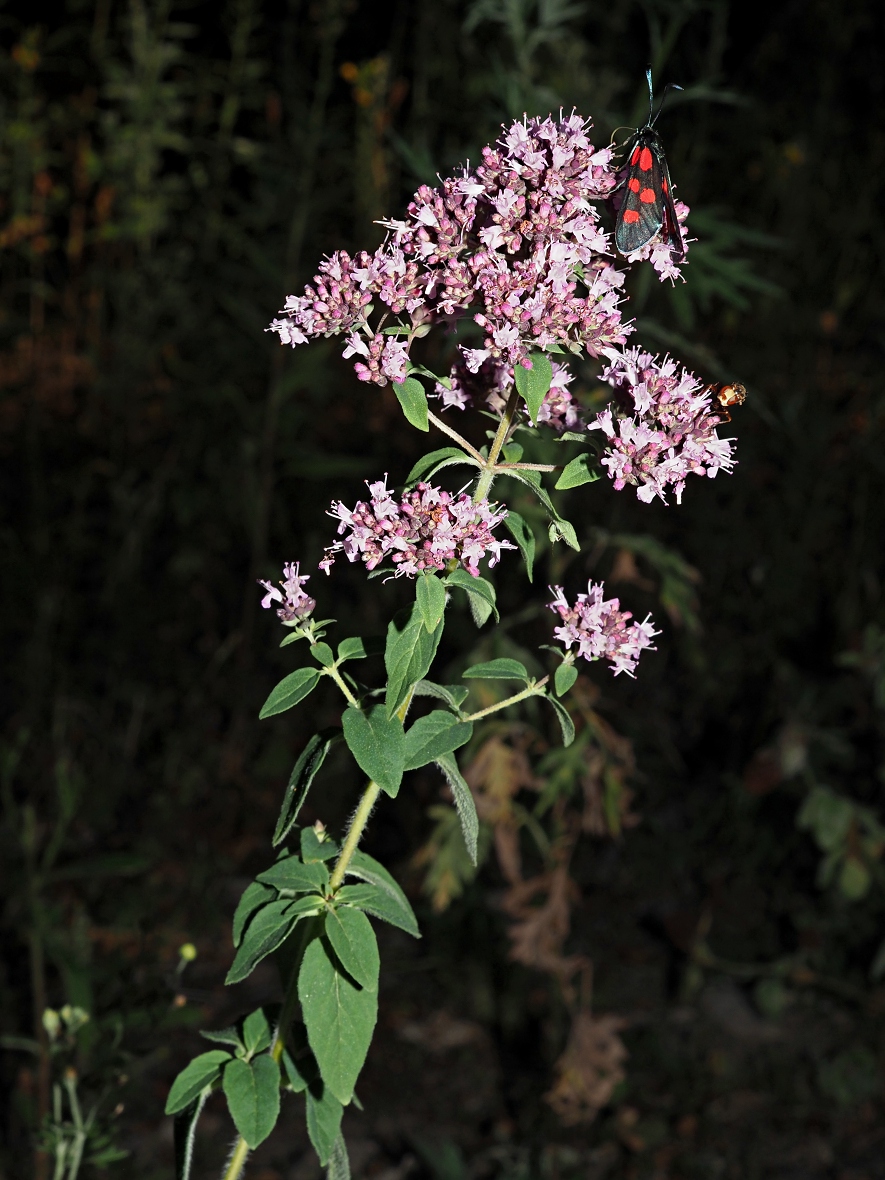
(728, 394)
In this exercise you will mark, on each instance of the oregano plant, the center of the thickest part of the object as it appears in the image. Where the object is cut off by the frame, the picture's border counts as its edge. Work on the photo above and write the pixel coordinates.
(510, 264)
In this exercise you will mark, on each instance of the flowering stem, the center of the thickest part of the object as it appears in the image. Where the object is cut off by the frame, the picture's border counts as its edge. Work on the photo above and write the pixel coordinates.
(462, 442)
(354, 835)
(531, 691)
(528, 467)
(339, 680)
(237, 1160)
(488, 474)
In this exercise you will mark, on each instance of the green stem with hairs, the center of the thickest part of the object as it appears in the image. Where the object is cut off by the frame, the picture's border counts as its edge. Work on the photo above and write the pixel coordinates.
(488, 474)
(531, 691)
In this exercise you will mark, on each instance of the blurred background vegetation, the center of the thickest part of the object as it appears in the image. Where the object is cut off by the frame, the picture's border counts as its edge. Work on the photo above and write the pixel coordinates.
(169, 171)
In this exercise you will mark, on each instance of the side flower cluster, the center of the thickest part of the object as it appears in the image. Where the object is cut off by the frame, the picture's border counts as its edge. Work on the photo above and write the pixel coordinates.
(661, 426)
(425, 530)
(599, 629)
(516, 243)
(296, 605)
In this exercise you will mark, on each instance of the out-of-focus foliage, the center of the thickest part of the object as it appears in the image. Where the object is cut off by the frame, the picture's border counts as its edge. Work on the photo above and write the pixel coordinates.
(168, 173)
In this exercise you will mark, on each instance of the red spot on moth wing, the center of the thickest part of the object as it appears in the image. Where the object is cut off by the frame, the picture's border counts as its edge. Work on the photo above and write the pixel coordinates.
(664, 184)
(630, 216)
(635, 156)
(647, 196)
(633, 185)
(645, 159)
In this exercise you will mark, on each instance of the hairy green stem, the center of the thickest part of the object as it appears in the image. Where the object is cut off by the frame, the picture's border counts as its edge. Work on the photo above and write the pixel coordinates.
(339, 680)
(354, 835)
(531, 691)
(237, 1160)
(462, 442)
(485, 480)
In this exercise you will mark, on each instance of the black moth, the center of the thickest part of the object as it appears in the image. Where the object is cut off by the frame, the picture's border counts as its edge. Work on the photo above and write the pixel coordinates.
(647, 209)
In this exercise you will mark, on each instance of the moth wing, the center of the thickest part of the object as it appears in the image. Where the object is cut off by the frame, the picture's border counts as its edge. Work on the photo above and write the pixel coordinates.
(641, 215)
(671, 231)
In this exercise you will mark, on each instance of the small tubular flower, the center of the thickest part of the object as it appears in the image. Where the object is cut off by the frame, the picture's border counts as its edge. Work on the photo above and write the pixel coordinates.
(296, 605)
(426, 529)
(598, 629)
(660, 427)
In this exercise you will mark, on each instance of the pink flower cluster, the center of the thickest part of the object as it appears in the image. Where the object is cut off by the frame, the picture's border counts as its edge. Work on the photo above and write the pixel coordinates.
(425, 530)
(599, 629)
(296, 605)
(661, 426)
(492, 383)
(516, 243)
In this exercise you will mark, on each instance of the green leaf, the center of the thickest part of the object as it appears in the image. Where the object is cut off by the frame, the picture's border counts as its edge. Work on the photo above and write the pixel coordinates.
(290, 873)
(324, 1113)
(315, 849)
(353, 941)
(291, 689)
(534, 383)
(340, 1018)
(339, 1163)
(481, 594)
(184, 1136)
(294, 1076)
(427, 464)
(565, 722)
(252, 1089)
(463, 802)
(256, 1031)
(357, 648)
(377, 743)
(323, 654)
(224, 1036)
(254, 896)
(194, 1078)
(411, 396)
(564, 677)
(408, 655)
(367, 869)
(379, 904)
(519, 530)
(501, 669)
(431, 598)
(440, 732)
(303, 773)
(453, 694)
(562, 530)
(854, 879)
(578, 472)
(264, 934)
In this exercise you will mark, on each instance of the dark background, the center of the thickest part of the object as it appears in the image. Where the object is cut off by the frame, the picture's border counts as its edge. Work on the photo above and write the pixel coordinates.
(168, 173)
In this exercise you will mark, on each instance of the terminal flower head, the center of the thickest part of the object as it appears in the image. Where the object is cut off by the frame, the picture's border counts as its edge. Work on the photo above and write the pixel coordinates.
(295, 606)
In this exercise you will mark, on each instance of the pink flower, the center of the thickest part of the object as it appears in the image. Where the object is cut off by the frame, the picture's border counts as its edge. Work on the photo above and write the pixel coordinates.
(426, 530)
(517, 244)
(599, 629)
(296, 605)
(660, 427)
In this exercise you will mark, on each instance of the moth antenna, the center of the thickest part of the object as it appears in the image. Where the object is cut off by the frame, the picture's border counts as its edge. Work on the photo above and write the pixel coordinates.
(651, 97)
(670, 86)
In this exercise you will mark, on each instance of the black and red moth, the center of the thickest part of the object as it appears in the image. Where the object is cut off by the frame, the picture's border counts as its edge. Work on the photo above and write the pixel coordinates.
(647, 210)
